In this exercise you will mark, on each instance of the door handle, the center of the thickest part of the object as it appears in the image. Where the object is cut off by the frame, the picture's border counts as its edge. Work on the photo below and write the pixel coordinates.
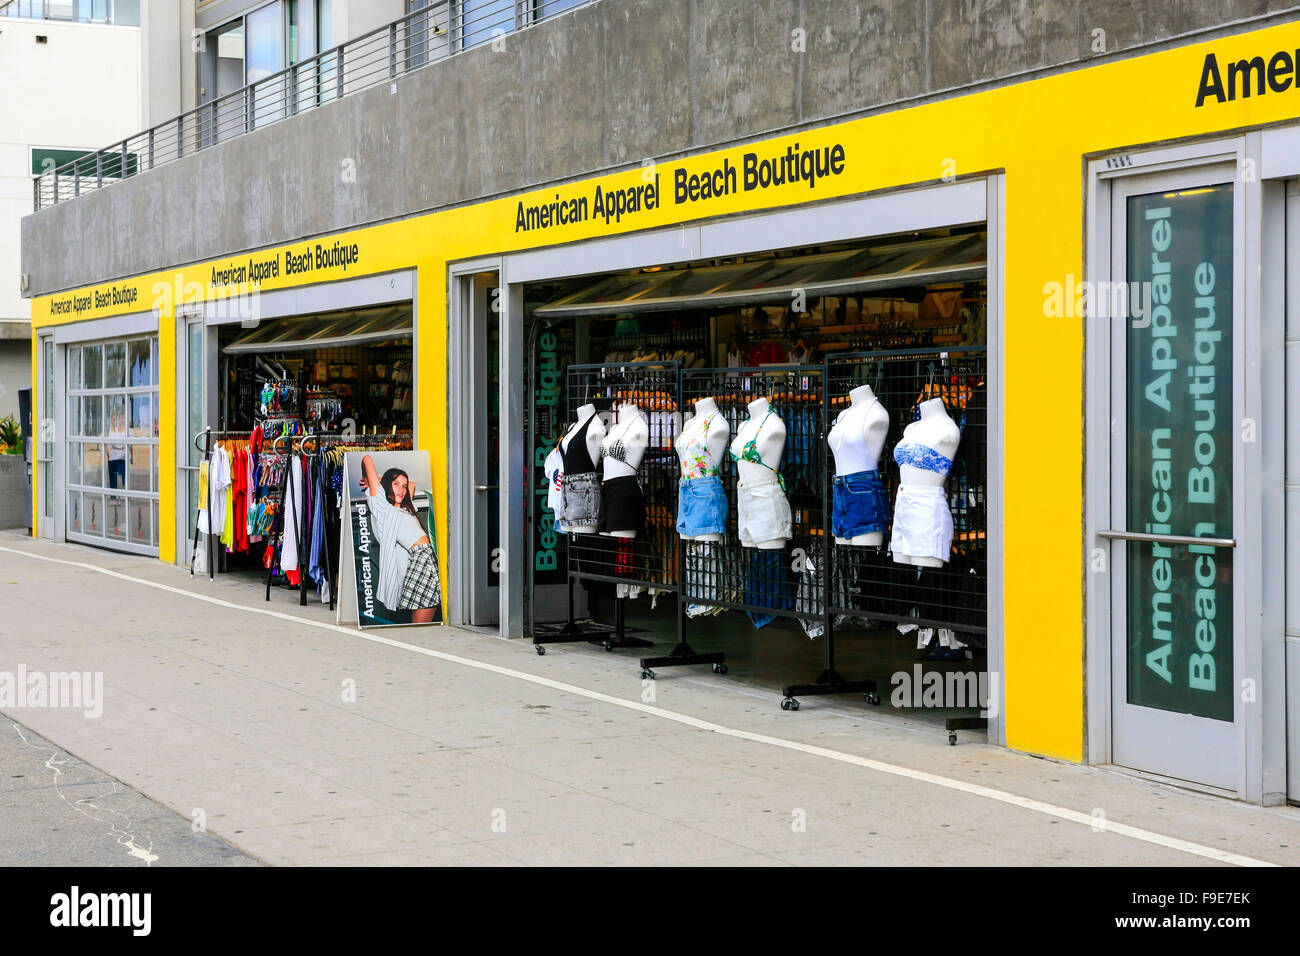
(1168, 538)
(485, 487)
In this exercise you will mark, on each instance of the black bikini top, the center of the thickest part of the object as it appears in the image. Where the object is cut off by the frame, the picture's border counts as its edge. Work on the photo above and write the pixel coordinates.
(574, 453)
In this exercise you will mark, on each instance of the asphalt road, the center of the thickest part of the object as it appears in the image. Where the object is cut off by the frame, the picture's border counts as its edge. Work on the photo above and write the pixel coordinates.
(60, 811)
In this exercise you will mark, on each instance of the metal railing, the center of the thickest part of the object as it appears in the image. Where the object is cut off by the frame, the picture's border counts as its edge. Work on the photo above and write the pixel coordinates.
(432, 33)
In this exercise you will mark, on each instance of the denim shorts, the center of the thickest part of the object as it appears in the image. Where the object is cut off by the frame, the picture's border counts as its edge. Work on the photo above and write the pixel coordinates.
(859, 505)
(701, 506)
(580, 500)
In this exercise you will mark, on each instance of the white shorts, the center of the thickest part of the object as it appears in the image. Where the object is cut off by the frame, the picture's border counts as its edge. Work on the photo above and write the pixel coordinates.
(762, 512)
(922, 523)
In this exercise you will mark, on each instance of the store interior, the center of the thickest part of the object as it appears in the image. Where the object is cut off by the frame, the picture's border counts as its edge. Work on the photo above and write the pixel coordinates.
(300, 392)
(803, 329)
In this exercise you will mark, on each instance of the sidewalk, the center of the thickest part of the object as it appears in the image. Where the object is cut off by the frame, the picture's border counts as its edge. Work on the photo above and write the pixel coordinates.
(240, 710)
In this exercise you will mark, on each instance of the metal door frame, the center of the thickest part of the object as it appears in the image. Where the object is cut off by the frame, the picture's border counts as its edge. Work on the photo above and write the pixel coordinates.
(1259, 724)
(466, 339)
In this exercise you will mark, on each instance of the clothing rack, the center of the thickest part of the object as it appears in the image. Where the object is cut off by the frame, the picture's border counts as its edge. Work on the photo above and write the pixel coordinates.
(812, 579)
(647, 561)
(865, 582)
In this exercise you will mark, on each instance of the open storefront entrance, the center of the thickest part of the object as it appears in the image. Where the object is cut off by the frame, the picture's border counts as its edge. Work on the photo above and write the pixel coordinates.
(784, 569)
(284, 396)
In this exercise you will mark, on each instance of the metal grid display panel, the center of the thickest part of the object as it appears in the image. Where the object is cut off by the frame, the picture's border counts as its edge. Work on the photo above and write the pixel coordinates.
(867, 582)
(650, 559)
(782, 582)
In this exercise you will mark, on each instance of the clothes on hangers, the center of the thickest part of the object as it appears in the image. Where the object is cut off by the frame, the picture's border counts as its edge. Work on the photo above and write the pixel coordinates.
(212, 519)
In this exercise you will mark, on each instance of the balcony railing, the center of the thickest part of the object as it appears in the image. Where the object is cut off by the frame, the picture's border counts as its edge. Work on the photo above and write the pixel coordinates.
(434, 32)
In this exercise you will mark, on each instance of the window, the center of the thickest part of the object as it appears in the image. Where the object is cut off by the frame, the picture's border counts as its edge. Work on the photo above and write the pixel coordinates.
(264, 42)
(112, 432)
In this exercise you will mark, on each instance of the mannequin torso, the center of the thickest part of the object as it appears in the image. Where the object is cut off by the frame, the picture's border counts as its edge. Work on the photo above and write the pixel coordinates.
(709, 430)
(856, 440)
(924, 456)
(623, 448)
(765, 428)
(592, 437)
(633, 431)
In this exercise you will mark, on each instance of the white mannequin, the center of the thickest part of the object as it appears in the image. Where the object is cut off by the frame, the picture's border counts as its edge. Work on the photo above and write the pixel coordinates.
(595, 435)
(867, 418)
(715, 441)
(771, 445)
(936, 431)
(633, 431)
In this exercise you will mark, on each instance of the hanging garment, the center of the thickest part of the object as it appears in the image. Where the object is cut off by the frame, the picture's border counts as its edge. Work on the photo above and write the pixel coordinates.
(239, 499)
(554, 471)
(212, 519)
(291, 532)
(228, 525)
(318, 531)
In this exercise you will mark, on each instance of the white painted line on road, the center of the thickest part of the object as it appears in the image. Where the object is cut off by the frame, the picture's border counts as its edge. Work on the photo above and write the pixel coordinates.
(949, 783)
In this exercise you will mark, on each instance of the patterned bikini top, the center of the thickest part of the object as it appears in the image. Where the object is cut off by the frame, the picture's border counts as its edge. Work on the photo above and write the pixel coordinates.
(921, 456)
(615, 447)
(750, 453)
(693, 450)
(616, 450)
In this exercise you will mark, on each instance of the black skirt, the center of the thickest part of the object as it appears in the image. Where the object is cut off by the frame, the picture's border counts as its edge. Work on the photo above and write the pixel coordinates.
(621, 506)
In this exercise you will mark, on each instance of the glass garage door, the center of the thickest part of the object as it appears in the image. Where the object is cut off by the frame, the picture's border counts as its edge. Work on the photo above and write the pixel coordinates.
(112, 444)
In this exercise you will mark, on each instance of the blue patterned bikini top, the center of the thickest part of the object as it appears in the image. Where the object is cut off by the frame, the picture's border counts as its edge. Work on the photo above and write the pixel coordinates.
(921, 456)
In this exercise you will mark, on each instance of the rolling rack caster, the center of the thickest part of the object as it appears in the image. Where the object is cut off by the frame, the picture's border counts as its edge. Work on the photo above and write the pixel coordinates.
(682, 653)
(954, 724)
(789, 703)
(592, 632)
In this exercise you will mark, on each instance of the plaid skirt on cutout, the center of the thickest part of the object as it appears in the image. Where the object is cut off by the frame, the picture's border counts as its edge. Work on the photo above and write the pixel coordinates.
(421, 588)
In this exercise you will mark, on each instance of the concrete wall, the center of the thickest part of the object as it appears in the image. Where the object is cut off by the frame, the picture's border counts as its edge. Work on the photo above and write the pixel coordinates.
(14, 510)
(15, 366)
(78, 90)
(604, 86)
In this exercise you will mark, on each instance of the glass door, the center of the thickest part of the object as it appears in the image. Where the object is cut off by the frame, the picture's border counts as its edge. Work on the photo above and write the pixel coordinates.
(1176, 632)
(484, 444)
(111, 420)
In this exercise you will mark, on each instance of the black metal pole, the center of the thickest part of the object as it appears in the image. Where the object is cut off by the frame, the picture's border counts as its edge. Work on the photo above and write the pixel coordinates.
(207, 451)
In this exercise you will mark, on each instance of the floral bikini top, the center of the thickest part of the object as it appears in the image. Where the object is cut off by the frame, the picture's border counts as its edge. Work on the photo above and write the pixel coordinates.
(750, 452)
(693, 450)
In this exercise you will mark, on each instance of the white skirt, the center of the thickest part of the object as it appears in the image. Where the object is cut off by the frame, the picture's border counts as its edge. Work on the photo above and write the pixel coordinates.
(922, 523)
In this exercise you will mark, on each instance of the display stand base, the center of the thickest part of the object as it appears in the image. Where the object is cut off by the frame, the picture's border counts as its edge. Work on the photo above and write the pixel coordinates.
(608, 636)
(681, 656)
(954, 724)
(828, 682)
